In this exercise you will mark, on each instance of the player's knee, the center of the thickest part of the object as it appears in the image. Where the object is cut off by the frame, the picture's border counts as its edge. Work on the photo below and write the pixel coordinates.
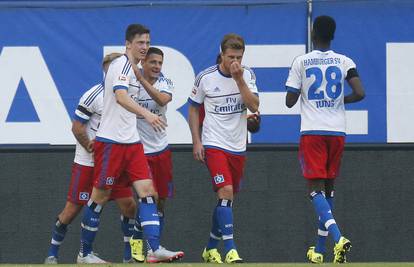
(225, 192)
(144, 188)
(100, 196)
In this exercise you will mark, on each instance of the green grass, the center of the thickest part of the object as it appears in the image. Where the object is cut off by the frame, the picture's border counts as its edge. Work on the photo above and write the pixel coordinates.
(371, 264)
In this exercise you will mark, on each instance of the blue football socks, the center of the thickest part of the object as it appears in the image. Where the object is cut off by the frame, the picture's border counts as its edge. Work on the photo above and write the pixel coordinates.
(225, 222)
(90, 225)
(150, 223)
(325, 214)
(59, 232)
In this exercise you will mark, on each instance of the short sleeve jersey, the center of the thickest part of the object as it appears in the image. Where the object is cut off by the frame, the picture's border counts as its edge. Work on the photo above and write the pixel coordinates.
(319, 78)
(118, 125)
(225, 124)
(89, 112)
(153, 141)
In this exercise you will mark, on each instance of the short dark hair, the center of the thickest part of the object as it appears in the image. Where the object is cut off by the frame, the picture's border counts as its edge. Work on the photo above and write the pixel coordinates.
(324, 28)
(134, 29)
(233, 41)
(155, 50)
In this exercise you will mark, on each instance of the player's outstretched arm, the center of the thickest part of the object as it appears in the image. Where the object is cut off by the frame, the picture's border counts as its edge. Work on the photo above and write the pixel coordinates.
(358, 92)
(193, 120)
(126, 102)
(250, 100)
(79, 131)
(160, 98)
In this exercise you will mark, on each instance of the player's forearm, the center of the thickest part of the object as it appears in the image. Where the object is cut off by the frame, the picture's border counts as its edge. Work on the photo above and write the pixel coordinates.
(250, 100)
(161, 99)
(352, 98)
(79, 131)
(193, 120)
(127, 103)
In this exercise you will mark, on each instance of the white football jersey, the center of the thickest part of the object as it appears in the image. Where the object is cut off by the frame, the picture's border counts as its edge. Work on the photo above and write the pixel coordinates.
(118, 125)
(153, 141)
(225, 124)
(319, 78)
(89, 112)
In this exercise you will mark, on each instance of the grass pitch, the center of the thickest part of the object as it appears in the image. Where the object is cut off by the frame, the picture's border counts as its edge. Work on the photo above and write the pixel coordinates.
(371, 264)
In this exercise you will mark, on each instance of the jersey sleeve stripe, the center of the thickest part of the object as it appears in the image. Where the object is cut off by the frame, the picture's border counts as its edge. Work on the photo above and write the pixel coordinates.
(84, 110)
(193, 103)
(118, 87)
(164, 91)
(92, 95)
(203, 73)
(80, 119)
(127, 69)
(292, 90)
(251, 72)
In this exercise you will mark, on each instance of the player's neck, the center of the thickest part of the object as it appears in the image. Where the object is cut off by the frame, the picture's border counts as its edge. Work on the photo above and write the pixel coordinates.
(223, 70)
(130, 57)
(322, 46)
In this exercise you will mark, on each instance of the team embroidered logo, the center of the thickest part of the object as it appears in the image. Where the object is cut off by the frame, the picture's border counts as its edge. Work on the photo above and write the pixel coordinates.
(219, 178)
(216, 90)
(83, 196)
(194, 91)
(122, 78)
(109, 180)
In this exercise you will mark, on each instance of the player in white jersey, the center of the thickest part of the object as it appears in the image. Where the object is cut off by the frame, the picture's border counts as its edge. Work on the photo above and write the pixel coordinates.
(318, 77)
(84, 127)
(119, 155)
(154, 93)
(227, 90)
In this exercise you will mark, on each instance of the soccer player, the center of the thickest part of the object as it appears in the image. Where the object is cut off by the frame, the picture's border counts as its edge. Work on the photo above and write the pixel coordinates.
(84, 126)
(154, 94)
(319, 78)
(227, 90)
(118, 152)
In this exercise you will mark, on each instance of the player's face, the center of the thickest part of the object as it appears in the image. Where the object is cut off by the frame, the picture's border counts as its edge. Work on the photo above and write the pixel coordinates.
(229, 56)
(139, 46)
(152, 65)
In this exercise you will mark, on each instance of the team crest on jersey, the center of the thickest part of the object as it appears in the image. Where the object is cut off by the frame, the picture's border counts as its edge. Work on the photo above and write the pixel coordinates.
(194, 91)
(122, 78)
(110, 180)
(219, 178)
(83, 196)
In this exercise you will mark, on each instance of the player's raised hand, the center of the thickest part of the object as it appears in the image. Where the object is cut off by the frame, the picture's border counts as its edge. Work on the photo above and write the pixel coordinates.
(236, 70)
(198, 152)
(156, 121)
(137, 71)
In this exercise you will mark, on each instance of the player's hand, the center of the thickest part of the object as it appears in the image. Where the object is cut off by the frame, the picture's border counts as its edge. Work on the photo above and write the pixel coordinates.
(198, 152)
(156, 121)
(137, 71)
(236, 70)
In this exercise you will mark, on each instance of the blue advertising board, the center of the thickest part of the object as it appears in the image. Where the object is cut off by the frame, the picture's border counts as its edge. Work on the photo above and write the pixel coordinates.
(51, 55)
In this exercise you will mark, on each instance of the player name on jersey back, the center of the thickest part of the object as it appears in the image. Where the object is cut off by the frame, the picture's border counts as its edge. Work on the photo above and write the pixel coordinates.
(319, 78)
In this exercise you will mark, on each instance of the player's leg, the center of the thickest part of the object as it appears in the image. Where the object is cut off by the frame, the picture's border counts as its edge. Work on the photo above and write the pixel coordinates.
(336, 147)
(161, 170)
(78, 194)
(108, 166)
(139, 175)
(123, 196)
(313, 158)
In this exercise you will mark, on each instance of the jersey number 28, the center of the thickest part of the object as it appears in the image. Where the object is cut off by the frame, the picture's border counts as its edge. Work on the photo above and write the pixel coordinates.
(331, 82)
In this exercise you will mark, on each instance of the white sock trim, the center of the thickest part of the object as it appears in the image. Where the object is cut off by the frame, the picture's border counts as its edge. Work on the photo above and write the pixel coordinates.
(329, 223)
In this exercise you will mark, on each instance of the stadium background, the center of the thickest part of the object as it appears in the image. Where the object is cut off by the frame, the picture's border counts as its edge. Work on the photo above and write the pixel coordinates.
(51, 52)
